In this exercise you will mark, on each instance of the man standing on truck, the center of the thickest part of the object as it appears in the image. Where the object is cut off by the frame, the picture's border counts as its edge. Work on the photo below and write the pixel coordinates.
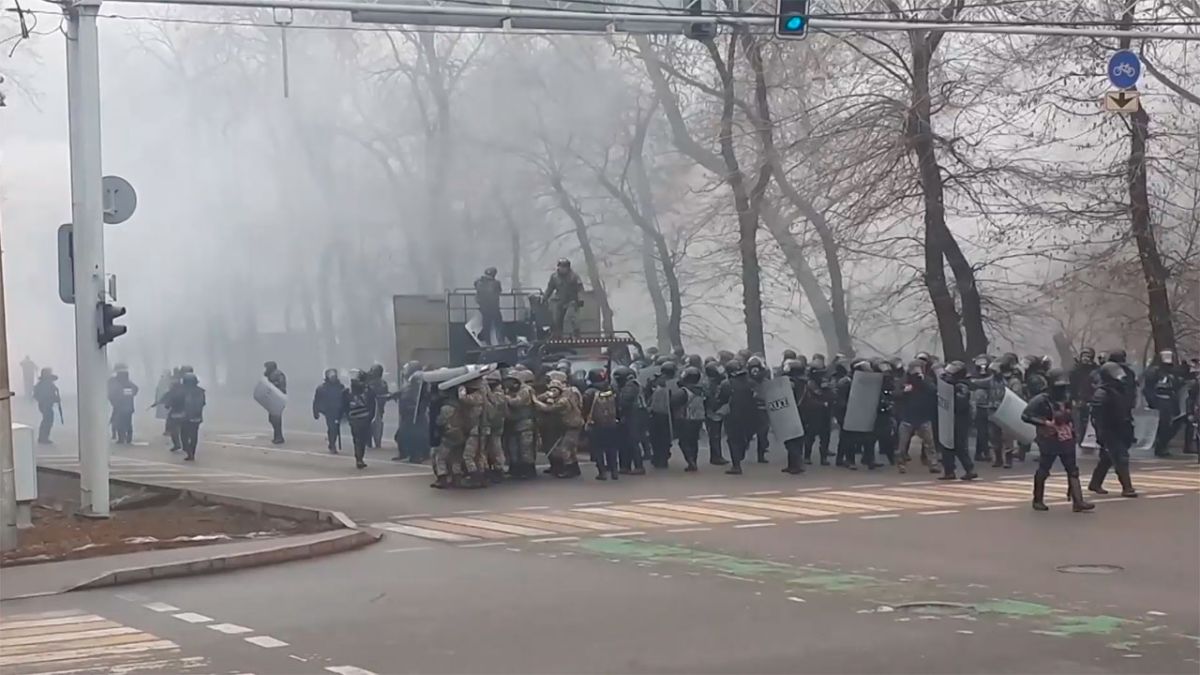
(564, 294)
(487, 296)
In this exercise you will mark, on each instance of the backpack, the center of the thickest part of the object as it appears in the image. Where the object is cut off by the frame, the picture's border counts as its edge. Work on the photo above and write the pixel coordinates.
(660, 399)
(695, 406)
(604, 409)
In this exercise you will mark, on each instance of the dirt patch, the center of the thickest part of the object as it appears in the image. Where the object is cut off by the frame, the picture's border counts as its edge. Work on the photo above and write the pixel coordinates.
(58, 534)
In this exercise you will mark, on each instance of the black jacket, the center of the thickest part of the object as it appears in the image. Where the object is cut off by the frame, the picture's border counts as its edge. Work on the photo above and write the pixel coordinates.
(1112, 414)
(329, 400)
(916, 401)
(743, 402)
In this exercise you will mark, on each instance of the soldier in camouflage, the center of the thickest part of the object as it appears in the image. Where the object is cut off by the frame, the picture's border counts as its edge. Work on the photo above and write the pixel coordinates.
(471, 399)
(493, 427)
(518, 424)
(447, 454)
(564, 409)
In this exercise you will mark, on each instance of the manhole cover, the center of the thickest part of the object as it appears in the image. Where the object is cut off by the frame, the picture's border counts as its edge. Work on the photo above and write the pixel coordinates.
(935, 608)
(1089, 569)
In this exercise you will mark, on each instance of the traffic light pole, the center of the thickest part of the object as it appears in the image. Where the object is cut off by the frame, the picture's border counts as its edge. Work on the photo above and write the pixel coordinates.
(87, 216)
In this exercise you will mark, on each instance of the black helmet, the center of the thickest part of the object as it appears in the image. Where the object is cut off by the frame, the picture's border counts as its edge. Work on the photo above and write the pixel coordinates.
(924, 356)
(1117, 356)
(712, 369)
(1057, 377)
(183, 370)
(955, 368)
(678, 352)
(818, 360)
(916, 367)
(691, 375)
(694, 360)
(376, 370)
(331, 374)
(744, 355)
(754, 362)
(793, 368)
(884, 366)
(735, 368)
(789, 354)
(563, 262)
(725, 356)
(668, 368)
(490, 272)
(1113, 371)
(190, 379)
(661, 359)
(596, 376)
(651, 351)
(622, 373)
(863, 365)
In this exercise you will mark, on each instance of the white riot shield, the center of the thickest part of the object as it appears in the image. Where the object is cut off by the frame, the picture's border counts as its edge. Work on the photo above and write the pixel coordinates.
(945, 399)
(781, 408)
(269, 397)
(441, 374)
(1145, 426)
(1089, 438)
(1008, 418)
(863, 404)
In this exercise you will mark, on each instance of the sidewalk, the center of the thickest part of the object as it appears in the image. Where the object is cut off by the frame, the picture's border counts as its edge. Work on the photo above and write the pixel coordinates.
(60, 577)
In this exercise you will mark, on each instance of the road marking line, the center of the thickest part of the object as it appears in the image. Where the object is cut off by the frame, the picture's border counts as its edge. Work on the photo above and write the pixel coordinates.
(421, 532)
(192, 617)
(702, 496)
(908, 501)
(411, 515)
(7, 642)
(816, 522)
(548, 540)
(647, 501)
(334, 479)
(265, 641)
(879, 515)
(7, 626)
(634, 516)
(937, 513)
(763, 493)
(1171, 494)
(844, 506)
(409, 549)
(160, 607)
(469, 512)
(813, 489)
(571, 522)
(953, 491)
(230, 628)
(1170, 482)
(499, 527)
(533, 508)
(749, 525)
(348, 670)
(997, 508)
(866, 485)
(293, 656)
(484, 544)
(698, 511)
(51, 630)
(773, 505)
(35, 616)
(622, 534)
(917, 482)
(795, 599)
(525, 521)
(472, 532)
(680, 530)
(93, 652)
(593, 503)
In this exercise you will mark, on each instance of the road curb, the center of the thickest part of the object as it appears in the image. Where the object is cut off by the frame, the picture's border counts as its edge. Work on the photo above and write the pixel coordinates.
(345, 541)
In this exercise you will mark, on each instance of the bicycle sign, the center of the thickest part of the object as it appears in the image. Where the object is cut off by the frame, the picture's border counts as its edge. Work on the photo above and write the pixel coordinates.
(1124, 69)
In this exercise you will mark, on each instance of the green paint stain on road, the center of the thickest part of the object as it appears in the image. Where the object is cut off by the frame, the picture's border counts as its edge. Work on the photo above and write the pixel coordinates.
(1089, 625)
(835, 582)
(1013, 608)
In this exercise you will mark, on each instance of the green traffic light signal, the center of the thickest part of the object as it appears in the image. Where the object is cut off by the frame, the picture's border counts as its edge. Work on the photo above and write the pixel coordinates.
(791, 19)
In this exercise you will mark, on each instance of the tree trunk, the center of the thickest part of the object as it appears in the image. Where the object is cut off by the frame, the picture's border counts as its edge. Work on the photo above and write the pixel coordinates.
(794, 254)
(646, 217)
(514, 241)
(1162, 326)
(567, 204)
(654, 288)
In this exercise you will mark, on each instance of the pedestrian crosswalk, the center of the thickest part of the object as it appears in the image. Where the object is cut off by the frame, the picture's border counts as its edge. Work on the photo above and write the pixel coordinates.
(72, 641)
(749, 510)
(159, 473)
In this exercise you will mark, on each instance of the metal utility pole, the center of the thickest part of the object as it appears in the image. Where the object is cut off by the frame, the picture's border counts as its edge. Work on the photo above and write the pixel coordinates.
(87, 214)
(8, 478)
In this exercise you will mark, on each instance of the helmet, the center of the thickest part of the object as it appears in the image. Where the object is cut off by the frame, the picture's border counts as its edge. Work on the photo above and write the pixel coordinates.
(744, 355)
(677, 351)
(896, 362)
(564, 263)
(331, 374)
(490, 272)
(661, 359)
(1113, 371)
(916, 367)
(883, 366)
(818, 360)
(982, 361)
(712, 369)
(270, 366)
(651, 351)
(754, 362)
(710, 359)
(694, 360)
(788, 355)
(411, 367)
(1057, 377)
(668, 368)
(793, 368)
(376, 370)
(955, 368)
(524, 376)
(556, 376)
(924, 356)
(563, 366)
(691, 375)
(734, 368)
(190, 379)
(1086, 355)
(622, 373)
(725, 356)
(596, 376)
(185, 369)
(862, 365)
(47, 373)
(1117, 356)
(556, 385)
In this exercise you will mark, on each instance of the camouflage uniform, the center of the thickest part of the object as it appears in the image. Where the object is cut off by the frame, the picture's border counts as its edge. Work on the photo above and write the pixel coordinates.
(518, 427)
(471, 403)
(566, 413)
(448, 453)
(493, 428)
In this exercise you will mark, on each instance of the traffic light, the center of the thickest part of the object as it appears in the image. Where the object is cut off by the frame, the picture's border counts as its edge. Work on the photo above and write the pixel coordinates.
(107, 331)
(699, 31)
(791, 20)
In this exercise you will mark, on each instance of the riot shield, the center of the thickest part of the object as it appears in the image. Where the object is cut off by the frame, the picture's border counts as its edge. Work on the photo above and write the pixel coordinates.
(1089, 438)
(781, 408)
(644, 375)
(863, 404)
(945, 400)
(473, 373)
(269, 397)
(1008, 418)
(441, 374)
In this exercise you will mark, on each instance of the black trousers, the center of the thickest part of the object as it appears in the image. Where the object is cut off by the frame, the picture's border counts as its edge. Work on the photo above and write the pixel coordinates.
(689, 439)
(46, 425)
(959, 451)
(276, 427)
(816, 426)
(982, 434)
(123, 426)
(1082, 416)
(189, 436)
(739, 441)
(714, 440)
(630, 448)
(173, 428)
(885, 436)
(1113, 453)
(1168, 426)
(762, 428)
(489, 323)
(360, 431)
(660, 438)
(606, 447)
(333, 431)
(1050, 449)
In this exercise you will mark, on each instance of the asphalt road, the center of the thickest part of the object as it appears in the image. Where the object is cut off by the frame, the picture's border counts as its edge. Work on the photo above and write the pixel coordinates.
(668, 573)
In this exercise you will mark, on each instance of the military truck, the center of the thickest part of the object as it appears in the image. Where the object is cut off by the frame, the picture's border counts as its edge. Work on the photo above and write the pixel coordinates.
(441, 330)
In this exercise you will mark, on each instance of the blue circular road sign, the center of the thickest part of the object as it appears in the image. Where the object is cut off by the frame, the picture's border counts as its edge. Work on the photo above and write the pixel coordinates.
(1124, 69)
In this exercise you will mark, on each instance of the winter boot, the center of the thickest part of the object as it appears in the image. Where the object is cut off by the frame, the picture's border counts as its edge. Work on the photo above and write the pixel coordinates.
(1000, 457)
(480, 478)
(691, 467)
(569, 471)
(735, 470)
(1008, 457)
(1095, 487)
(441, 483)
(555, 466)
(1039, 494)
(613, 473)
(601, 474)
(1077, 503)
(970, 475)
(1126, 482)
